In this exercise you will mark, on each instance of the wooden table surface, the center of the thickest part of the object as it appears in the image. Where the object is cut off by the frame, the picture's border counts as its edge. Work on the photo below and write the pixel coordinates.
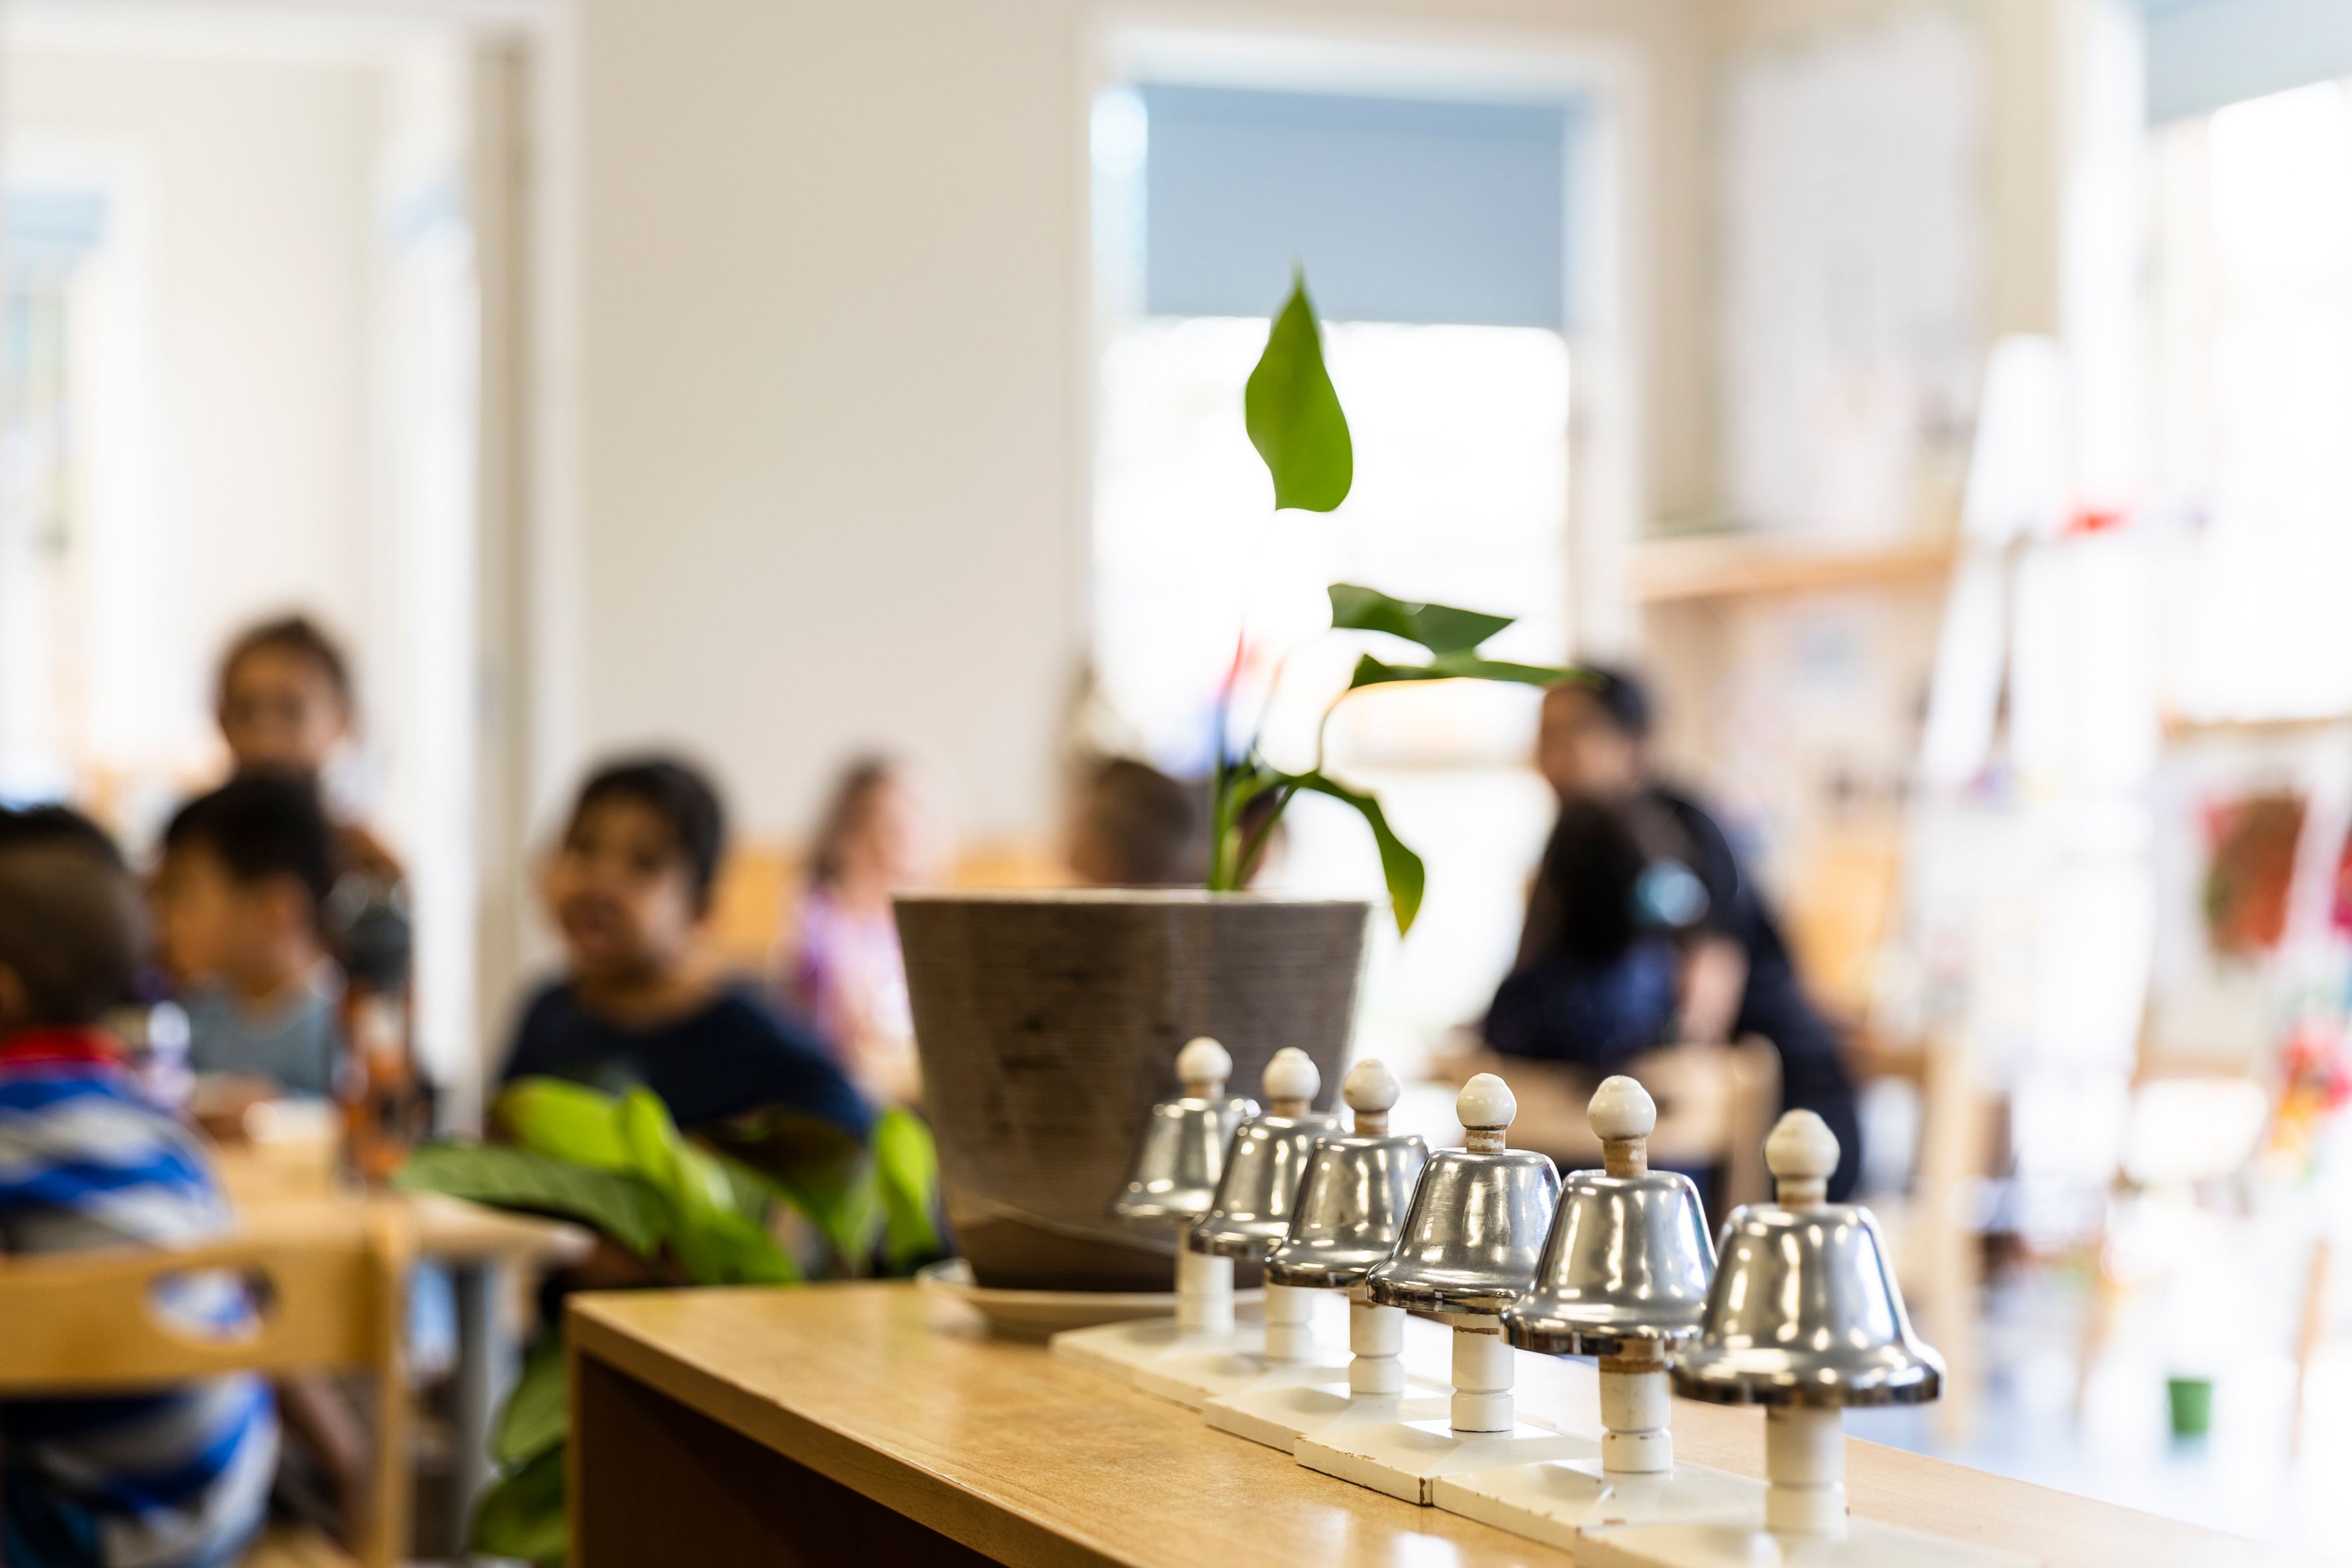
(274, 1196)
(1025, 1459)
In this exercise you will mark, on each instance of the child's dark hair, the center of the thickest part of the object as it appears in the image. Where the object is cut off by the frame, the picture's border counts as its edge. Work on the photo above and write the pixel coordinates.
(676, 793)
(69, 918)
(1137, 827)
(296, 634)
(260, 826)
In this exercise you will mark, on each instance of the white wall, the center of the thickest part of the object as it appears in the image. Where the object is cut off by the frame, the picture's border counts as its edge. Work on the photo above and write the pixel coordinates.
(248, 185)
(833, 436)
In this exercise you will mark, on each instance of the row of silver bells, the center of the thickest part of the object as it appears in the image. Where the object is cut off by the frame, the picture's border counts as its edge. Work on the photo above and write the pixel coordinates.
(1804, 1317)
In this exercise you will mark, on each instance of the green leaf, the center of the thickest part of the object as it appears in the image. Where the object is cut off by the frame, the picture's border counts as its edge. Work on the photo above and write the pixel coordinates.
(536, 1416)
(722, 1248)
(907, 1169)
(715, 1242)
(1293, 412)
(1370, 671)
(522, 1515)
(564, 1121)
(1399, 867)
(659, 1153)
(1440, 629)
(622, 1207)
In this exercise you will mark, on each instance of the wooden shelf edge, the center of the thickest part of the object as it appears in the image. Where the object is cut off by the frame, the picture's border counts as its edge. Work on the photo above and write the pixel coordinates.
(1726, 566)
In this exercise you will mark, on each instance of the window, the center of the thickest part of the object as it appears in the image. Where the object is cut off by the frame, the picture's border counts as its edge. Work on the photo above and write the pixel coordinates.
(2251, 330)
(1455, 378)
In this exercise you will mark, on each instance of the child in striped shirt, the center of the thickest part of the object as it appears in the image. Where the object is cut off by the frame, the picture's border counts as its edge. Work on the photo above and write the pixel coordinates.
(173, 1478)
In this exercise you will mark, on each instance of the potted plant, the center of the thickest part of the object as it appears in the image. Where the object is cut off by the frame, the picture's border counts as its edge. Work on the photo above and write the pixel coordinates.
(1049, 1020)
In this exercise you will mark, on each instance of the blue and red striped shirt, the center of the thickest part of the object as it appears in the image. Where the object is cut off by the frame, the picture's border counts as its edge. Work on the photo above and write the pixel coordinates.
(177, 1478)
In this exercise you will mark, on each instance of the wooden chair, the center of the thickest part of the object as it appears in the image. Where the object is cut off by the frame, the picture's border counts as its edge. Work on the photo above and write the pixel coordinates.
(1716, 1103)
(330, 1298)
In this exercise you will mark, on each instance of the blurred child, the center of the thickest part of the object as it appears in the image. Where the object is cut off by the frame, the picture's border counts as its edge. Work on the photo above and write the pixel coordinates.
(239, 904)
(286, 706)
(1134, 826)
(845, 975)
(642, 1000)
(169, 1478)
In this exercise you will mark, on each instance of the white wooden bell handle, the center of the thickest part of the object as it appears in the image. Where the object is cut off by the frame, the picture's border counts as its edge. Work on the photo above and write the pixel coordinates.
(1371, 1092)
(1291, 1082)
(1204, 1292)
(1202, 1067)
(1482, 1357)
(1804, 1449)
(1636, 1402)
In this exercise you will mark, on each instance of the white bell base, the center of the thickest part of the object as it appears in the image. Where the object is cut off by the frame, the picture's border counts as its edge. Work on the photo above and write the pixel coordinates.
(1118, 1349)
(1279, 1416)
(1192, 1378)
(1866, 1545)
(1404, 1459)
(1551, 1502)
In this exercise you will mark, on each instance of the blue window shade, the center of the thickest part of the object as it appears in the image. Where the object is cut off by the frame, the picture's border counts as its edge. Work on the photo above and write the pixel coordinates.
(2202, 54)
(51, 228)
(1401, 210)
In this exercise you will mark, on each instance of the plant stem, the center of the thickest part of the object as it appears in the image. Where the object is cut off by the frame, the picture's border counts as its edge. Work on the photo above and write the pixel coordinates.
(1221, 787)
(1254, 848)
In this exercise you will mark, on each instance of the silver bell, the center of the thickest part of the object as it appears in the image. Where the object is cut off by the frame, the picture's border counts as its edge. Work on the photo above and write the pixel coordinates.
(1183, 1150)
(1628, 1259)
(1805, 1319)
(1351, 1204)
(1805, 1311)
(1257, 1190)
(1479, 1215)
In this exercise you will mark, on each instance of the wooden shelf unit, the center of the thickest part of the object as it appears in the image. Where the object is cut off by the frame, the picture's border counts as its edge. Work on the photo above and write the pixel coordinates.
(1672, 568)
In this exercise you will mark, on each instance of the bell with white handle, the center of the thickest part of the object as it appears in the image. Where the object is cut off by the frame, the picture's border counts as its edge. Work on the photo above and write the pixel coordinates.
(1804, 1318)
(1468, 1250)
(1624, 1277)
(1172, 1183)
(1248, 1216)
(1351, 1209)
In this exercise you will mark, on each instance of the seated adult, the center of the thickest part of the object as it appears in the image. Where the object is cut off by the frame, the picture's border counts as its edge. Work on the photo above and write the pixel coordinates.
(1643, 928)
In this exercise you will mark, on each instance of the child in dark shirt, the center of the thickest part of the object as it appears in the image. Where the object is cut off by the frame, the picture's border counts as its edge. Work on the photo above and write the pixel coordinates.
(643, 1001)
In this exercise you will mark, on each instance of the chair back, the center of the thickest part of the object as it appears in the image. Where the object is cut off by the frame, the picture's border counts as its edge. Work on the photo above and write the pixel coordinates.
(328, 1293)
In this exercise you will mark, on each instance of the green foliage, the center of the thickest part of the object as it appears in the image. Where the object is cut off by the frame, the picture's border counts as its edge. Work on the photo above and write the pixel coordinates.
(1297, 426)
(620, 1206)
(1370, 671)
(1440, 629)
(536, 1412)
(1293, 412)
(907, 1173)
(564, 1121)
(701, 1214)
(522, 1515)
(1399, 867)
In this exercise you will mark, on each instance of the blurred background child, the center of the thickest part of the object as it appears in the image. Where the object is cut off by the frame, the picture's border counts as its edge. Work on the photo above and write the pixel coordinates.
(171, 1479)
(844, 974)
(240, 901)
(643, 1001)
(286, 705)
(1131, 825)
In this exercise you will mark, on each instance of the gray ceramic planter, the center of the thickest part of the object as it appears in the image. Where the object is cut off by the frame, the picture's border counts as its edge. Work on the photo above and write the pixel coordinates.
(1049, 1022)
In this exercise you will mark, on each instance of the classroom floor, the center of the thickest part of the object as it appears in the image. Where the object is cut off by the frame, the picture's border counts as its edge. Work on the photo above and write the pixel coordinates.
(2246, 1475)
